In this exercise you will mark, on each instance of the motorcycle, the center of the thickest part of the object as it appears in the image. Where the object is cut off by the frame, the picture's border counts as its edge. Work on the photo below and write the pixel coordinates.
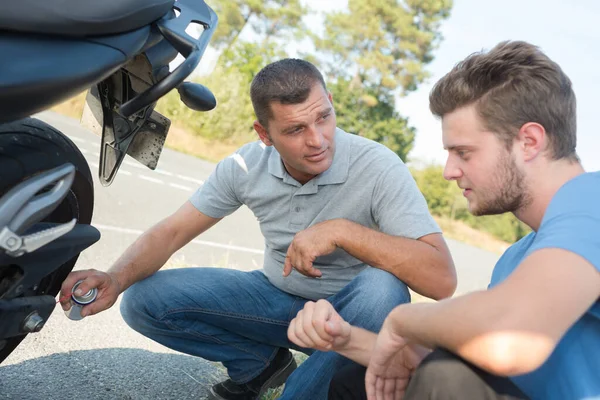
(49, 51)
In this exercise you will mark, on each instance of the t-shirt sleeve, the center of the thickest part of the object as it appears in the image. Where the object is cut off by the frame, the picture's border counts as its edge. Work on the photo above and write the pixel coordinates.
(217, 197)
(399, 207)
(572, 221)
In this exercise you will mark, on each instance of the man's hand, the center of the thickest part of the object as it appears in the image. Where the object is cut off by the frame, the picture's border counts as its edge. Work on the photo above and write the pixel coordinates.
(107, 285)
(320, 327)
(392, 363)
(318, 240)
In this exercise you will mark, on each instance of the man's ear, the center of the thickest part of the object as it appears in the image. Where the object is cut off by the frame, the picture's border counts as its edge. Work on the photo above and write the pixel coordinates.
(262, 133)
(532, 139)
(330, 97)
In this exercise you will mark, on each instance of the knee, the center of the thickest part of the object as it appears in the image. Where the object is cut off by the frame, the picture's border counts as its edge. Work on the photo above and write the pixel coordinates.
(438, 363)
(370, 297)
(380, 289)
(134, 307)
(440, 372)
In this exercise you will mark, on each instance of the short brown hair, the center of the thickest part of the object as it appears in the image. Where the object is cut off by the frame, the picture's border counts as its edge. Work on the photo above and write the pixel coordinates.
(511, 85)
(287, 81)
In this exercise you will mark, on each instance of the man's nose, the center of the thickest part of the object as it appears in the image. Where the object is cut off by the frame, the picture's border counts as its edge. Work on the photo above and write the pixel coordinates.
(451, 170)
(314, 137)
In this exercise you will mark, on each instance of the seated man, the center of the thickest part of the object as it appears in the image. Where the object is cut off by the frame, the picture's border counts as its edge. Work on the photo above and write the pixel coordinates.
(508, 123)
(342, 219)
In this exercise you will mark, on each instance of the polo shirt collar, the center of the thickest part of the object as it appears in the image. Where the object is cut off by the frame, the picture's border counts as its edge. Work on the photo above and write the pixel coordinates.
(276, 167)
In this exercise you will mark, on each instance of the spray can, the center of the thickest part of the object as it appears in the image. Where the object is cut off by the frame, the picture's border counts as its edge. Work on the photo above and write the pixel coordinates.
(77, 302)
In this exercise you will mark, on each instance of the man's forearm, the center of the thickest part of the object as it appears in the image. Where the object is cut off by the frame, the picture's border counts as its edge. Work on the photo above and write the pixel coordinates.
(362, 344)
(479, 327)
(360, 347)
(142, 259)
(449, 323)
(425, 269)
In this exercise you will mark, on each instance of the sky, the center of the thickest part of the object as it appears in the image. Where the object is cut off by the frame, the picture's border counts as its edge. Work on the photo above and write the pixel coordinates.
(567, 31)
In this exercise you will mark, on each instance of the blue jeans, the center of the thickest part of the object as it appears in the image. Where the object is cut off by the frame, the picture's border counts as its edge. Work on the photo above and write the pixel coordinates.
(241, 319)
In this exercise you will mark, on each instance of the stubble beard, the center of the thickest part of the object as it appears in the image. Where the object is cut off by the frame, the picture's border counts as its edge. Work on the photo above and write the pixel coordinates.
(511, 193)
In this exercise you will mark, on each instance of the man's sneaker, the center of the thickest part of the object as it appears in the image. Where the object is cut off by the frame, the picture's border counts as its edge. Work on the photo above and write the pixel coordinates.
(274, 375)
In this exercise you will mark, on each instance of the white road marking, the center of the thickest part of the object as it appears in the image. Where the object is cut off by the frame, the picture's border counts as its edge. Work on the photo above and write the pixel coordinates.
(185, 178)
(162, 171)
(227, 246)
(149, 178)
(201, 242)
(134, 164)
(76, 139)
(175, 185)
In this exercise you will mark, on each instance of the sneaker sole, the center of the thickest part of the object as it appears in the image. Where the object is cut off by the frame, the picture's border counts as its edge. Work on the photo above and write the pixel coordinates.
(274, 381)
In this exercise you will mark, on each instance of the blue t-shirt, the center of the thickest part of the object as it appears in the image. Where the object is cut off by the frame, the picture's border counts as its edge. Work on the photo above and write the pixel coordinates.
(571, 222)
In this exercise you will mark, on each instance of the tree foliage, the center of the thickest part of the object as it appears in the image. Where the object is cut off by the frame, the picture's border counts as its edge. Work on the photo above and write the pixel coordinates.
(249, 58)
(231, 121)
(360, 111)
(281, 19)
(384, 43)
(376, 50)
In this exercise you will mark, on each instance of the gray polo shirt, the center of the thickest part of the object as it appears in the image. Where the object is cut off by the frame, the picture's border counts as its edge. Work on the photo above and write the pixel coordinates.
(366, 183)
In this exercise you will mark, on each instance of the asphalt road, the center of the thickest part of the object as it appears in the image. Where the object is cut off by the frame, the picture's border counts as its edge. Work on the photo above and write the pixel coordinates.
(100, 357)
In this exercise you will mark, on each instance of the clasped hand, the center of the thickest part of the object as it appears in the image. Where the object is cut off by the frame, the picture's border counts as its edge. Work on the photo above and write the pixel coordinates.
(318, 240)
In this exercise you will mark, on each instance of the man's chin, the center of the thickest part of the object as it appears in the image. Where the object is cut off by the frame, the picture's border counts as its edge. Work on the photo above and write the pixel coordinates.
(475, 210)
(482, 211)
(319, 168)
(472, 209)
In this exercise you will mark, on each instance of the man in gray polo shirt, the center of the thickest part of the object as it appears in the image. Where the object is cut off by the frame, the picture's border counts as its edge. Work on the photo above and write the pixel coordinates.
(342, 220)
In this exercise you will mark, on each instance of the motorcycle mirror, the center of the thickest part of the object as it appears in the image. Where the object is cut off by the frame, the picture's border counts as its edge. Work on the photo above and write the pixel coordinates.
(196, 96)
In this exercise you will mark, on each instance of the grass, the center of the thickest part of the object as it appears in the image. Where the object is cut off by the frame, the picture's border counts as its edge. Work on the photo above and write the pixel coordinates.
(183, 141)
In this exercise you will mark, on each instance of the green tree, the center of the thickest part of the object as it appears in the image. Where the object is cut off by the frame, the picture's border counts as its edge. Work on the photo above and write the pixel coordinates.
(231, 121)
(233, 118)
(386, 44)
(268, 19)
(374, 51)
(249, 58)
(361, 112)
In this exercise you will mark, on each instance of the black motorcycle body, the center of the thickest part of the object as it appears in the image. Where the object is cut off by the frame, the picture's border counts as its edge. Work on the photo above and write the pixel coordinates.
(120, 51)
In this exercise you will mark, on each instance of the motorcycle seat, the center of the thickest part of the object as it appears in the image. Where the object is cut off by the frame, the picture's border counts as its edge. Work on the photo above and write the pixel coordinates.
(80, 18)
